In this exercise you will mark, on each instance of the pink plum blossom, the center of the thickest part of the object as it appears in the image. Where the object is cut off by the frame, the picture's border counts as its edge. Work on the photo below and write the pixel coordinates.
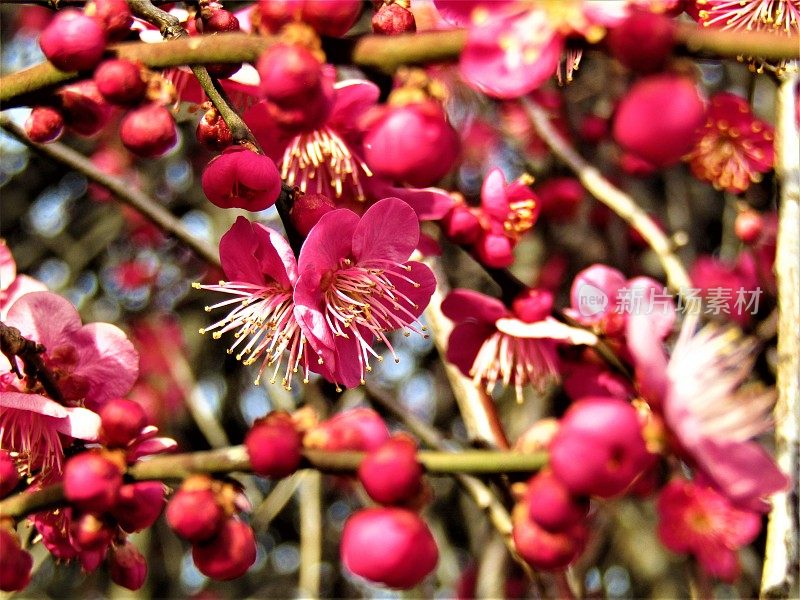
(356, 284)
(492, 344)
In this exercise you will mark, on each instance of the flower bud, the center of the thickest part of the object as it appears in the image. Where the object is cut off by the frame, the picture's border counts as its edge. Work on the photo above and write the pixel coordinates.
(241, 178)
(45, 124)
(15, 563)
(92, 481)
(121, 420)
(114, 16)
(748, 226)
(599, 449)
(593, 129)
(221, 21)
(391, 546)
(359, 429)
(551, 505)
(72, 41)
(127, 566)
(228, 554)
(88, 531)
(332, 18)
(544, 550)
(85, 110)
(643, 41)
(392, 19)
(274, 14)
(213, 132)
(462, 225)
(194, 514)
(307, 209)
(561, 198)
(139, 505)
(289, 73)
(120, 81)
(658, 119)
(495, 250)
(412, 143)
(274, 445)
(532, 305)
(392, 474)
(148, 131)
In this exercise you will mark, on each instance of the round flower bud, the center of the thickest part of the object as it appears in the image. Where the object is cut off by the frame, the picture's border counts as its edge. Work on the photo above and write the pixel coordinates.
(45, 124)
(307, 209)
(148, 131)
(545, 550)
(561, 198)
(114, 16)
(120, 81)
(241, 178)
(127, 566)
(221, 21)
(85, 110)
(121, 421)
(92, 482)
(495, 250)
(392, 19)
(391, 546)
(88, 531)
(462, 225)
(139, 505)
(359, 429)
(273, 445)
(593, 128)
(659, 118)
(332, 18)
(228, 554)
(274, 14)
(289, 73)
(599, 449)
(72, 41)
(643, 41)
(15, 563)
(748, 226)
(551, 505)
(412, 143)
(194, 514)
(392, 474)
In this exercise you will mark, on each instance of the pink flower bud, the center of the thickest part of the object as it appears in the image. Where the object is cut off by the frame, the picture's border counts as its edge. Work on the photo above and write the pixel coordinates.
(332, 18)
(274, 14)
(392, 546)
(643, 41)
(533, 305)
(599, 449)
(412, 143)
(127, 566)
(92, 481)
(659, 118)
(635, 166)
(392, 19)
(289, 73)
(120, 81)
(544, 550)
(561, 198)
(15, 563)
(360, 429)
(194, 514)
(85, 110)
(139, 505)
(392, 474)
(114, 16)
(9, 476)
(240, 178)
(148, 131)
(213, 132)
(308, 209)
(593, 129)
(228, 554)
(274, 445)
(72, 41)
(495, 250)
(121, 421)
(551, 505)
(45, 124)
(748, 226)
(221, 21)
(88, 531)
(462, 225)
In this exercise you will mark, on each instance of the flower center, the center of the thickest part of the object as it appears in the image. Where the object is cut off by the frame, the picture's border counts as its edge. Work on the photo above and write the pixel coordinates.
(322, 157)
(781, 15)
(264, 328)
(514, 361)
(364, 301)
(31, 440)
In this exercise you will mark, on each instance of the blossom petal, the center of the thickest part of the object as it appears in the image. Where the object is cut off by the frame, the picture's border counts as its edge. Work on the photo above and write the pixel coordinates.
(80, 423)
(462, 305)
(8, 267)
(19, 287)
(329, 241)
(462, 12)
(44, 317)
(493, 195)
(465, 342)
(249, 251)
(430, 204)
(649, 357)
(351, 99)
(388, 231)
(548, 328)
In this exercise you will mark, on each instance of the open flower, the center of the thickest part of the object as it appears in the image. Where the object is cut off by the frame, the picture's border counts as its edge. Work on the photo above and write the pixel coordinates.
(89, 364)
(261, 271)
(695, 519)
(516, 347)
(711, 419)
(735, 147)
(356, 285)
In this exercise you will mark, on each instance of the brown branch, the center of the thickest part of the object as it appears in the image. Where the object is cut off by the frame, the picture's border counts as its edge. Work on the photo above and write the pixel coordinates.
(123, 192)
(14, 346)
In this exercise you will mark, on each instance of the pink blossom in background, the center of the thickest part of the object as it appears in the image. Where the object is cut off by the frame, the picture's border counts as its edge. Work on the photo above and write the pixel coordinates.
(356, 285)
(13, 285)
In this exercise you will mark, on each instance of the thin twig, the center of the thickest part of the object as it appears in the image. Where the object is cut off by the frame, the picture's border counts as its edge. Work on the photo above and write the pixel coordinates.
(309, 497)
(617, 200)
(13, 345)
(780, 575)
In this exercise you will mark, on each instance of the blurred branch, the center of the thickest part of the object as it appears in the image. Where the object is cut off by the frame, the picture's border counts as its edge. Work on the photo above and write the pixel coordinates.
(122, 191)
(617, 200)
(310, 499)
(780, 574)
(234, 459)
(385, 53)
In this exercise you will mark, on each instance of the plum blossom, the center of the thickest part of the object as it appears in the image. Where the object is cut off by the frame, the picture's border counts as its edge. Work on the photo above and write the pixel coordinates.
(514, 46)
(356, 285)
(90, 364)
(261, 272)
(492, 344)
(694, 518)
